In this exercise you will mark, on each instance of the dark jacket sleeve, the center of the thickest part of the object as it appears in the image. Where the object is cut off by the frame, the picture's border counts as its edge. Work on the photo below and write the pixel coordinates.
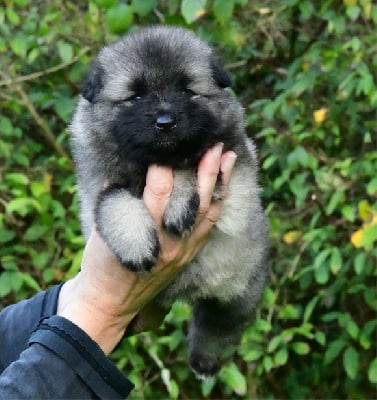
(48, 357)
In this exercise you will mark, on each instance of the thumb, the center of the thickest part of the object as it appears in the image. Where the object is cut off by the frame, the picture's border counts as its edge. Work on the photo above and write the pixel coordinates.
(159, 185)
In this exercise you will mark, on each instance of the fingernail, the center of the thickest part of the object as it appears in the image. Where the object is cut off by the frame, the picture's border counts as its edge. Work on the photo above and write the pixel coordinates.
(229, 162)
(217, 150)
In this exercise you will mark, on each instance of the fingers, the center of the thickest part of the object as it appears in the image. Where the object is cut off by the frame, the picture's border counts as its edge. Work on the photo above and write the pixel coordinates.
(228, 160)
(211, 215)
(208, 170)
(159, 185)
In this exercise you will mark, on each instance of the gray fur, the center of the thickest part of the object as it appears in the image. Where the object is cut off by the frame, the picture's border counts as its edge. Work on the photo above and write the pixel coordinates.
(226, 279)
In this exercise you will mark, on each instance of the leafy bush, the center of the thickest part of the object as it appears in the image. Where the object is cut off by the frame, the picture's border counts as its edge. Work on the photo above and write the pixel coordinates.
(306, 74)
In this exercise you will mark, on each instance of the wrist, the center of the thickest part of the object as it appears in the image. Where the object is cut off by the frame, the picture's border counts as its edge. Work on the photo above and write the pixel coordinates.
(104, 327)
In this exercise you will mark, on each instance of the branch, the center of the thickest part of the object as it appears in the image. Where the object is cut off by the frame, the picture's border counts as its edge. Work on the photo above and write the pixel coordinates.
(35, 75)
(45, 129)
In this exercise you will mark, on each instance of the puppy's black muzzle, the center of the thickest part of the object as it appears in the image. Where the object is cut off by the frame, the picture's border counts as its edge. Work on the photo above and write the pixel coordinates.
(166, 122)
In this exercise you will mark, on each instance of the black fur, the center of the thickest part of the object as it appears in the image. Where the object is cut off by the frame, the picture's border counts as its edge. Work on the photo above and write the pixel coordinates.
(137, 135)
(219, 74)
(93, 84)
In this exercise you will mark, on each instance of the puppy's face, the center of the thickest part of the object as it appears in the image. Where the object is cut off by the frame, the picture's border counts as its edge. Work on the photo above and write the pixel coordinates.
(156, 95)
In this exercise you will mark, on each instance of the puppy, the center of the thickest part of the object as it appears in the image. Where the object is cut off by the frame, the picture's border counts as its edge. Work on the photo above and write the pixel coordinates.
(158, 96)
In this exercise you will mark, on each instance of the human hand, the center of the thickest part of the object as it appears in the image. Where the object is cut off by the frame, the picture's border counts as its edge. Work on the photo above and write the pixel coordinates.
(105, 297)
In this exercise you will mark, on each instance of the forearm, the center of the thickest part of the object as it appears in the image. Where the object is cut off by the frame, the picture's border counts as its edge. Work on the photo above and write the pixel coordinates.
(103, 328)
(54, 358)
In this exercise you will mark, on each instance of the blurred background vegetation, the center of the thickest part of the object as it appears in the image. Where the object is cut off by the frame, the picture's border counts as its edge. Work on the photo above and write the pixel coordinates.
(305, 72)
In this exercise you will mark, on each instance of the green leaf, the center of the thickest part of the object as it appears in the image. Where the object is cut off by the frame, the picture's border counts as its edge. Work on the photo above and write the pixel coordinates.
(351, 362)
(333, 350)
(269, 297)
(372, 371)
(269, 161)
(5, 283)
(12, 16)
(321, 271)
(321, 274)
(353, 12)
(119, 18)
(332, 316)
(301, 348)
(369, 236)
(274, 343)
(48, 274)
(35, 232)
(359, 263)
(336, 260)
(268, 363)
(143, 7)
(40, 260)
(31, 282)
(320, 338)
(289, 311)
(23, 206)
(281, 357)
(38, 188)
(173, 7)
(207, 385)
(349, 212)
(335, 199)
(309, 308)
(6, 126)
(19, 45)
(22, 3)
(6, 235)
(223, 10)
(262, 325)
(192, 9)
(252, 355)
(10, 281)
(372, 187)
(298, 156)
(9, 263)
(64, 107)
(65, 51)
(106, 3)
(3, 45)
(233, 378)
(299, 188)
(366, 338)
(17, 178)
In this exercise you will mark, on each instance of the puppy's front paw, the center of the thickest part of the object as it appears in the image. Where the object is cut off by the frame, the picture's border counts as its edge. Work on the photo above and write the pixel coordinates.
(141, 263)
(179, 218)
(128, 229)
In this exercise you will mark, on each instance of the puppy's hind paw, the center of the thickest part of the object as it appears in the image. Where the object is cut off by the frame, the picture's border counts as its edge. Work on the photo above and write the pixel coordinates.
(204, 367)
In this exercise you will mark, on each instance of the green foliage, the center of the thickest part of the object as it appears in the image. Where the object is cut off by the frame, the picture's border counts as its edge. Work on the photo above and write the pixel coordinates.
(306, 74)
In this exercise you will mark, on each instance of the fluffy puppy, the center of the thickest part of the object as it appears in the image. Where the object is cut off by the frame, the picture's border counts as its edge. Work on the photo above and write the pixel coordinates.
(159, 96)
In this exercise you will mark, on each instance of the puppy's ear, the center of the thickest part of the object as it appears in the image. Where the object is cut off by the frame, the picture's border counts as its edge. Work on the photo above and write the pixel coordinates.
(219, 74)
(93, 84)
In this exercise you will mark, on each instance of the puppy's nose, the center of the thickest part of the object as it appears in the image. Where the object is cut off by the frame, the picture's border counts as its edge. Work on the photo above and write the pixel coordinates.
(166, 122)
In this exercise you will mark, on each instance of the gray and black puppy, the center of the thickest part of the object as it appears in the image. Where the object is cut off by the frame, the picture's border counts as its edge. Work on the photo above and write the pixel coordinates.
(157, 96)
